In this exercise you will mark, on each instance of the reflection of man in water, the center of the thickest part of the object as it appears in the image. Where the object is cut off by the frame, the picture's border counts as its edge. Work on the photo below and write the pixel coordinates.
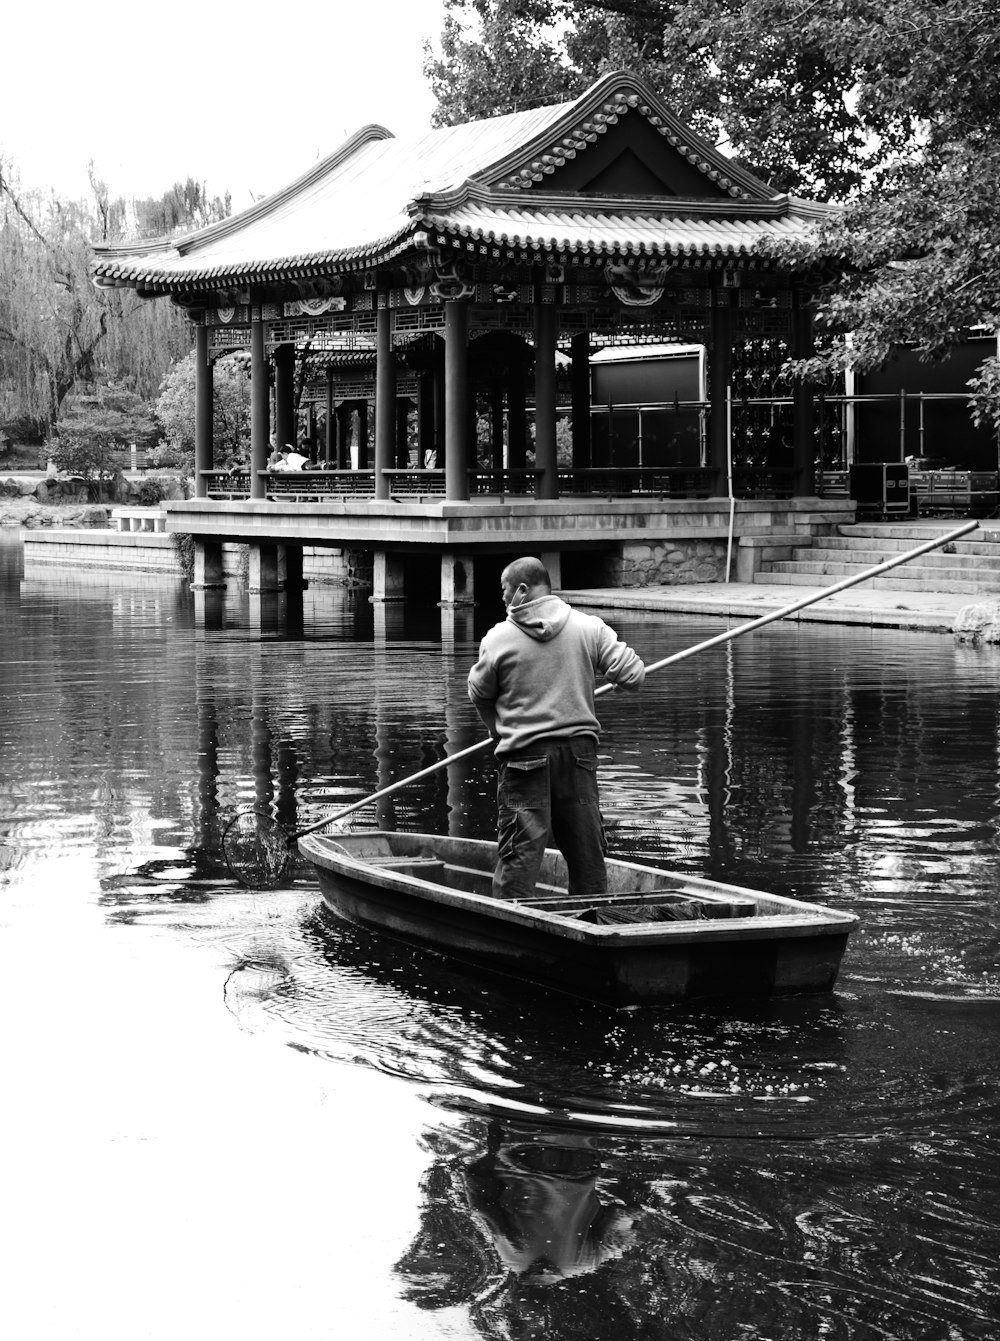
(539, 1203)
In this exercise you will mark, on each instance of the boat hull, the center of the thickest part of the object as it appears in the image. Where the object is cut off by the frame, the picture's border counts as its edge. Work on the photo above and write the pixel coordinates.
(422, 889)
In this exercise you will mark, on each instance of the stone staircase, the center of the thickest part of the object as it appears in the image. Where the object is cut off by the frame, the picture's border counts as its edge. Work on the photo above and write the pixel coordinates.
(970, 567)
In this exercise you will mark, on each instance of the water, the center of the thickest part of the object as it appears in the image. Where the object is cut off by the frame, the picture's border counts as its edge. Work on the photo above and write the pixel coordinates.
(226, 1113)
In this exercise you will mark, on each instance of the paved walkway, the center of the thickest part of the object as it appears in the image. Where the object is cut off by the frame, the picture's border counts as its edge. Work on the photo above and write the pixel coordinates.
(931, 611)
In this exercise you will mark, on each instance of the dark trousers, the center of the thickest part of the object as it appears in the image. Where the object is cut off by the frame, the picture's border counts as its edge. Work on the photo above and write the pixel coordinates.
(549, 789)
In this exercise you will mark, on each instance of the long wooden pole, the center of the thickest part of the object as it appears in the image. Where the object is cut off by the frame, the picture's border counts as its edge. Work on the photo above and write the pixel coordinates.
(719, 638)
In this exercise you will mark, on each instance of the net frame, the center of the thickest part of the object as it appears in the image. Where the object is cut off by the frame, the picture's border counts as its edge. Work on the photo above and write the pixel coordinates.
(257, 849)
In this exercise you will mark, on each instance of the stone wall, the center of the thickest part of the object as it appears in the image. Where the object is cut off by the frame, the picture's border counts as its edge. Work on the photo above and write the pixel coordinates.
(666, 563)
(337, 567)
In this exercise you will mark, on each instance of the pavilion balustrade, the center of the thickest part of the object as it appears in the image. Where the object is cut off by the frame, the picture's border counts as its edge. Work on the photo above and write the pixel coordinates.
(602, 481)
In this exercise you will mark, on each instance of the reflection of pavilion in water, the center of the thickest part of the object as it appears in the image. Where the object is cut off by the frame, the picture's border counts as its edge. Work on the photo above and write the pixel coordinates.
(777, 747)
(306, 738)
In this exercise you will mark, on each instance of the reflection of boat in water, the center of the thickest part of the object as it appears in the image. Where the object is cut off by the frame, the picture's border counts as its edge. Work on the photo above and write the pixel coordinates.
(539, 1203)
(656, 936)
(536, 1209)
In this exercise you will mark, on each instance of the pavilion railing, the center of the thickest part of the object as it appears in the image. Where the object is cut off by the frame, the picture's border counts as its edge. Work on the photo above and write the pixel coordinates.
(625, 481)
(599, 481)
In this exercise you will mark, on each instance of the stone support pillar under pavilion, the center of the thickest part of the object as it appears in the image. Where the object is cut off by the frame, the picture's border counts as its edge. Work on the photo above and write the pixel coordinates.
(388, 577)
(457, 579)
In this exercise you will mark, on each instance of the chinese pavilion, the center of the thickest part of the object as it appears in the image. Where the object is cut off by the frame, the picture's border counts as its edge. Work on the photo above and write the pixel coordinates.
(472, 271)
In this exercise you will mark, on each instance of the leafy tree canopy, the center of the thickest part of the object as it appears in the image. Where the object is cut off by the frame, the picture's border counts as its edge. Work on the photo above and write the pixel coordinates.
(96, 431)
(175, 409)
(890, 110)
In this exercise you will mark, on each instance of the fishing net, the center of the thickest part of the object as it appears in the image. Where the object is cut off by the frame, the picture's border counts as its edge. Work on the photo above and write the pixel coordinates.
(257, 849)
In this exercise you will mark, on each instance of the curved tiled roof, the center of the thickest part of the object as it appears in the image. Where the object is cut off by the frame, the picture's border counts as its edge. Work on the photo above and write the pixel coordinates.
(623, 227)
(485, 180)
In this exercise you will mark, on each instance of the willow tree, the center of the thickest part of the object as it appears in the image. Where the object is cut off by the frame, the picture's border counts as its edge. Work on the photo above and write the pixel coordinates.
(57, 331)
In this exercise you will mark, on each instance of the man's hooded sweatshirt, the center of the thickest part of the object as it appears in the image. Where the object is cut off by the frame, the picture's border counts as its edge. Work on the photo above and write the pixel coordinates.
(535, 673)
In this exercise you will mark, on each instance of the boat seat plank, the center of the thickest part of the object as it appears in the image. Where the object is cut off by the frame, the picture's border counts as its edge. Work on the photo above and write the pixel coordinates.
(424, 865)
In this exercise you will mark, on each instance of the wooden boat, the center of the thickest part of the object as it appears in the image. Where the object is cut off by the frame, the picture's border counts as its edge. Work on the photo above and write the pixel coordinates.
(656, 937)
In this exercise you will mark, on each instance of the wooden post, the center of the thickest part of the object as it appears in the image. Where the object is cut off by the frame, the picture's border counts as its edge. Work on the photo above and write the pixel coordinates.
(456, 390)
(203, 416)
(547, 486)
(385, 401)
(260, 403)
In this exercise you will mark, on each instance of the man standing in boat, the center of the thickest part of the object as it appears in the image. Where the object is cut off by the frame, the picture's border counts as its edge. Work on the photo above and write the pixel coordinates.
(533, 686)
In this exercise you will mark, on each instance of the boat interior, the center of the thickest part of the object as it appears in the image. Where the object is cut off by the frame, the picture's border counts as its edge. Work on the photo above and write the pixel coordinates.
(635, 893)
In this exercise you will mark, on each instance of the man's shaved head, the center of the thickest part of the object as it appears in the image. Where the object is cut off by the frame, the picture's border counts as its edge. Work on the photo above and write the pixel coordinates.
(532, 572)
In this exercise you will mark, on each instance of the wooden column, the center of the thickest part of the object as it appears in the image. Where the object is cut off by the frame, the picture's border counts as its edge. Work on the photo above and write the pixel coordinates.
(260, 406)
(581, 400)
(719, 377)
(456, 394)
(547, 486)
(284, 395)
(803, 412)
(203, 413)
(385, 401)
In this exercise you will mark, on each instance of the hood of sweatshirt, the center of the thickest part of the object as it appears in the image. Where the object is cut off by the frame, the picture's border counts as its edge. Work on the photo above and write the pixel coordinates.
(542, 619)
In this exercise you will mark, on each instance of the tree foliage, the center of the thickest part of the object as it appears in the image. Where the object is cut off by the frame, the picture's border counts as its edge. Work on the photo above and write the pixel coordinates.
(97, 429)
(891, 110)
(57, 331)
(175, 409)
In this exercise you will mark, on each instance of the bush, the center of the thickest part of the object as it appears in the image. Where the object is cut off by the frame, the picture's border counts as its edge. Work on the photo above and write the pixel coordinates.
(183, 543)
(95, 431)
(150, 491)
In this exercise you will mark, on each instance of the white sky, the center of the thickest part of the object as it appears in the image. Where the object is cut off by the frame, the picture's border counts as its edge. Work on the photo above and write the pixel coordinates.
(243, 97)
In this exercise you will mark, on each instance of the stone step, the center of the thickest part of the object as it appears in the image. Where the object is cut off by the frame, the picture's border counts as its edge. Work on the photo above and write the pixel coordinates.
(826, 549)
(908, 537)
(890, 545)
(827, 575)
